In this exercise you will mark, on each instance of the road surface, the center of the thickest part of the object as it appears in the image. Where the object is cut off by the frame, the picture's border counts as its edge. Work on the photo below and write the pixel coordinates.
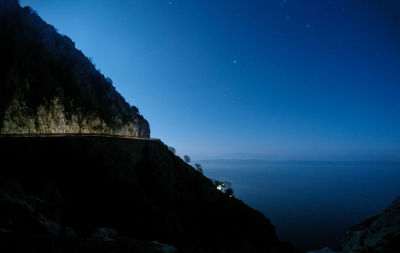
(28, 135)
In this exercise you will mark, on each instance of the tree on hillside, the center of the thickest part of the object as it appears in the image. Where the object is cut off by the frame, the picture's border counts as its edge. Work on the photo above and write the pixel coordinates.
(229, 192)
(172, 149)
(135, 109)
(109, 80)
(186, 158)
(198, 167)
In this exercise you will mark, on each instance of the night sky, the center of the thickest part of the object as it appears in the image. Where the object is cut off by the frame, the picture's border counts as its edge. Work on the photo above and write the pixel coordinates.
(272, 79)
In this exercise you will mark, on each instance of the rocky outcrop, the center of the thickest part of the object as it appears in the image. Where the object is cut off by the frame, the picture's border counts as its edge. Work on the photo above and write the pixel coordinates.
(324, 250)
(104, 234)
(18, 119)
(25, 227)
(49, 86)
(380, 234)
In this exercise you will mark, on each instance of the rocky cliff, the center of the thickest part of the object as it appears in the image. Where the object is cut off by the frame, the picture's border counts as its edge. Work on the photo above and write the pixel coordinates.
(49, 86)
(380, 234)
(60, 193)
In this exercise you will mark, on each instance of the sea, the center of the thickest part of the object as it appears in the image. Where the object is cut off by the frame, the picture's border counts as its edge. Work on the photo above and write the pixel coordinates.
(311, 203)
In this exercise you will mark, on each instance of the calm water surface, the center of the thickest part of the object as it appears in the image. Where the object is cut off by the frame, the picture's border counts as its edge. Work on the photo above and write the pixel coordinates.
(311, 204)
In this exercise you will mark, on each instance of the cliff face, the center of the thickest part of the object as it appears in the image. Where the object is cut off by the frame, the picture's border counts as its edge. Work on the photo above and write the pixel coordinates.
(379, 234)
(48, 86)
(136, 187)
(18, 119)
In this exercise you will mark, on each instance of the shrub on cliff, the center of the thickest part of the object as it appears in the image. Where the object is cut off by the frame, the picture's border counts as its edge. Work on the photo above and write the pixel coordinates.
(186, 158)
(198, 167)
(172, 149)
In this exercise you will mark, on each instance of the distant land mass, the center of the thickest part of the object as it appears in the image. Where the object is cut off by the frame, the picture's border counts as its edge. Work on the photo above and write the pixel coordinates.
(49, 86)
(246, 156)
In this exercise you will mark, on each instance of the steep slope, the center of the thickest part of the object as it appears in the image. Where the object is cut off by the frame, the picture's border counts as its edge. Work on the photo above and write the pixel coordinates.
(378, 234)
(48, 86)
(139, 188)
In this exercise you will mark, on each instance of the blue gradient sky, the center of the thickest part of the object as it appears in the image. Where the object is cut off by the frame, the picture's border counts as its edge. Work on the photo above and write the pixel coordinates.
(281, 79)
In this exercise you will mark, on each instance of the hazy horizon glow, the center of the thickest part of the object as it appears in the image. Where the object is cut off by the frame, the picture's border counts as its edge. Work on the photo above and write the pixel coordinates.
(288, 79)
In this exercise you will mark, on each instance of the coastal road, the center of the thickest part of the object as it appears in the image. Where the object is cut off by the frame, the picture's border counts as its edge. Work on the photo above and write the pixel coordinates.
(53, 135)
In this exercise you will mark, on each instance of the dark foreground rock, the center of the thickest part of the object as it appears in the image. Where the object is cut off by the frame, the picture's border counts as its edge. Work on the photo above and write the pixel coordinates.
(380, 234)
(95, 194)
(324, 250)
